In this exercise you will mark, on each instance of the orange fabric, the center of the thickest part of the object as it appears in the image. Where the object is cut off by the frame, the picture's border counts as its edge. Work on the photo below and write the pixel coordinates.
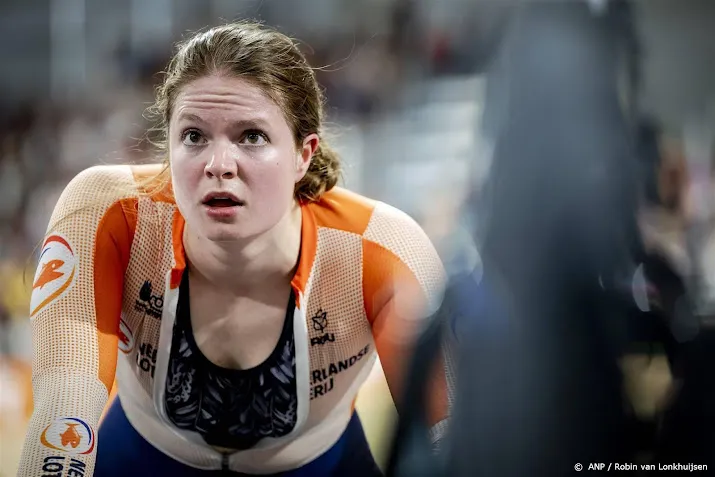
(111, 257)
(344, 210)
(177, 242)
(308, 246)
(393, 300)
(381, 275)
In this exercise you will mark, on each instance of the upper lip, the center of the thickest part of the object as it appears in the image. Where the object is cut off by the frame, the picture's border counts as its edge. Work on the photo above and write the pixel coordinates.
(221, 195)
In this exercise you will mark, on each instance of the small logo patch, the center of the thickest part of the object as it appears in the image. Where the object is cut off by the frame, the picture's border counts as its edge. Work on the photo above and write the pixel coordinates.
(55, 273)
(148, 303)
(320, 320)
(126, 337)
(70, 435)
(320, 323)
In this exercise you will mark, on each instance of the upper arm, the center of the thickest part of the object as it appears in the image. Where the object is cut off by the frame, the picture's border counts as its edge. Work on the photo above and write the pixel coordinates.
(78, 284)
(75, 308)
(403, 280)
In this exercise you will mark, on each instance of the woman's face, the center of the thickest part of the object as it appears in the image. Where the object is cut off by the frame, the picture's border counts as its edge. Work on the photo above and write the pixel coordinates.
(234, 160)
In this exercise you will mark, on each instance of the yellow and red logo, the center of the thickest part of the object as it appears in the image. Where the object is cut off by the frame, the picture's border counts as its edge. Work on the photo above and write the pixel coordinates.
(55, 272)
(69, 434)
(126, 337)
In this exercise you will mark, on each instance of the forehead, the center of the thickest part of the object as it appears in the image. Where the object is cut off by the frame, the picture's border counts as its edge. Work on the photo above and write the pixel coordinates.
(225, 97)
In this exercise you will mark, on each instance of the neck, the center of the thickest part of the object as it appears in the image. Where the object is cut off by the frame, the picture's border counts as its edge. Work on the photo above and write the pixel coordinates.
(269, 258)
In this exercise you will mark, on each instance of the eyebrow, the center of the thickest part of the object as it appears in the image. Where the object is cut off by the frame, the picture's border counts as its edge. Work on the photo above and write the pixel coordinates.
(242, 123)
(190, 117)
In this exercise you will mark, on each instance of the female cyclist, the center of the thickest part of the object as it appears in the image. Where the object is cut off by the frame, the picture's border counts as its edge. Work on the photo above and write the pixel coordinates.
(237, 295)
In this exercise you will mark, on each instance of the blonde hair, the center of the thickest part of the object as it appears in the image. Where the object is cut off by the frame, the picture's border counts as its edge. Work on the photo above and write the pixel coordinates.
(268, 59)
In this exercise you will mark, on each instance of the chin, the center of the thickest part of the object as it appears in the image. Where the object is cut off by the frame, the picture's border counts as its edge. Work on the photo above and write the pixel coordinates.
(223, 237)
(224, 233)
(230, 232)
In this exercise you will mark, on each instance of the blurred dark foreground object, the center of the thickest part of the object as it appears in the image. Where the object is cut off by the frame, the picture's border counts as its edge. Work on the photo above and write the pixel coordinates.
(538, 384)
(538, 387)
(534, 396)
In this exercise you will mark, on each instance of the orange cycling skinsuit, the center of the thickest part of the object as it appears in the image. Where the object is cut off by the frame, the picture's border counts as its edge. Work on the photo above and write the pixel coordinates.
(104, 306)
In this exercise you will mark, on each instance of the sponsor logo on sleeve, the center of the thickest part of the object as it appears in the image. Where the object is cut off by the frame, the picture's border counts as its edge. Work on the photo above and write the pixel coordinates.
(148, 303)
(55, 466)
(146, 358)
(126, 337)
(56, 272)
(70, 435)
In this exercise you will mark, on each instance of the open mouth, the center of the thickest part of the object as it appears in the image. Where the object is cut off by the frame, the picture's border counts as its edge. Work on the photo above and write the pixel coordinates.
(222, 202)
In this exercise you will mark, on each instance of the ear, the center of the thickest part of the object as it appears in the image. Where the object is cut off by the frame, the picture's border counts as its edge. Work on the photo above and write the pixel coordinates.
(305, 154)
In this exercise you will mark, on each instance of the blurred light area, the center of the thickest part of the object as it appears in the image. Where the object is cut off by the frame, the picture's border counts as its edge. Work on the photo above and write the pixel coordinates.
(68, 55)
(151, 24)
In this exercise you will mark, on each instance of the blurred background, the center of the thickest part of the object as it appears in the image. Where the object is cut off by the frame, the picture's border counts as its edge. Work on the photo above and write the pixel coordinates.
(419, 93)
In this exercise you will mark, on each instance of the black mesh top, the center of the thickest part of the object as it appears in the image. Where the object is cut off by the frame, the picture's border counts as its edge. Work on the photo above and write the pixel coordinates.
(230, 408)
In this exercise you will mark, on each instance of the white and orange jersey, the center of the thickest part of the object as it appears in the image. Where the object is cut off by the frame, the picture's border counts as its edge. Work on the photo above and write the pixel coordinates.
(104, 304)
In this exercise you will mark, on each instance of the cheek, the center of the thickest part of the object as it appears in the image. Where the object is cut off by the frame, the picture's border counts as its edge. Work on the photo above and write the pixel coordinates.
(271, 176)
(186, 175)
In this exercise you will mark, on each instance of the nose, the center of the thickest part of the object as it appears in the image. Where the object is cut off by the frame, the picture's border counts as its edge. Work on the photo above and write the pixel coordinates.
(223, 164)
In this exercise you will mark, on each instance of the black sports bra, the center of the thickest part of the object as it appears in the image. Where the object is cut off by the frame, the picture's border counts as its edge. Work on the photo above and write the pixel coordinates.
(230, 408)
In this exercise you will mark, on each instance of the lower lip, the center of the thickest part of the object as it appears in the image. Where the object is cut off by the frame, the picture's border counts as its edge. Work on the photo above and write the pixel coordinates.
(221, 212)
